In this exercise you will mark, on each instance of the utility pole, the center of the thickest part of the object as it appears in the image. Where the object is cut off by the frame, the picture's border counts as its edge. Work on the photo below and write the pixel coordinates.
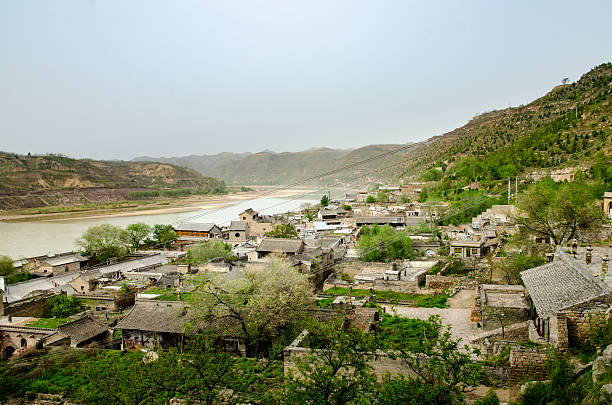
(508, 190)
(516, 190)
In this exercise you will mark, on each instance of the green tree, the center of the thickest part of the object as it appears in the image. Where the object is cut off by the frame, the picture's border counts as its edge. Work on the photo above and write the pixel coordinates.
(62, 306)
(383, 244)
(436, 362)
(560, 212)
(6, 266)
(163, 235)
(514, 264)
(285, 231)
(336, 369)
(102, 242)
(211, 249)
(267, 299)
(324, 200)
(370, 199)
(135, 234)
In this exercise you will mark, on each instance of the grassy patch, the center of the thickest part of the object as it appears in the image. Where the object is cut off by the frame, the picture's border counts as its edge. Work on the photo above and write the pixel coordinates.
(49, 323)
(419, 300)
(396, 329)
(173, 296)
(325, 302)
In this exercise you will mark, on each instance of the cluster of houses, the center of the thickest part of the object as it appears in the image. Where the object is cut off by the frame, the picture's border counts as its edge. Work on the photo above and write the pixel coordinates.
(138, 301)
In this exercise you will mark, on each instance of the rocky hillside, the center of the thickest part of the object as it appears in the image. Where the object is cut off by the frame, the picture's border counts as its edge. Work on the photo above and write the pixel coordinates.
(282, 168)
(26, 180)
(571, 125)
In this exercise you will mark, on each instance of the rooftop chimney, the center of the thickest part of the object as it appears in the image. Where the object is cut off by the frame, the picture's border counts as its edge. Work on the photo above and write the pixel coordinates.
(604, 266)
(550, 257)
(589, 254)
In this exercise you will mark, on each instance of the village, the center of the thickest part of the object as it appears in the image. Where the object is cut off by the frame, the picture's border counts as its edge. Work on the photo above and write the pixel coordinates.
(147, 299)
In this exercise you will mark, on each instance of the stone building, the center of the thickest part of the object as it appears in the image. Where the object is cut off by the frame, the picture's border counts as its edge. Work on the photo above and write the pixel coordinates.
(289, 247)
(154, 324)
(567, 301)
(468, 248)
(238, 232)
(60, 264)
(607, 205)
(502, 303)
(258, 225)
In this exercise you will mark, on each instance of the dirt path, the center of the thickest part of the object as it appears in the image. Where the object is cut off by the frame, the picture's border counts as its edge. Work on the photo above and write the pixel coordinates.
(463, 299)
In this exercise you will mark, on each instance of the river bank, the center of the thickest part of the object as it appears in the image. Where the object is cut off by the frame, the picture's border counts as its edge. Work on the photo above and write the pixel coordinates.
(131, 208)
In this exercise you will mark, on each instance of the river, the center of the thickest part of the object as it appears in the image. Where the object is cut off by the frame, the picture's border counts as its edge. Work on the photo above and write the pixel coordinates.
(27, 239)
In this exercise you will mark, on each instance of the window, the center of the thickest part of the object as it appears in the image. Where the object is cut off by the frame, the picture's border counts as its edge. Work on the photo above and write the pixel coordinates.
(24, 342)
(231, 344)
(457, 251)
(475, 251)
(237, 234)
(66, 269)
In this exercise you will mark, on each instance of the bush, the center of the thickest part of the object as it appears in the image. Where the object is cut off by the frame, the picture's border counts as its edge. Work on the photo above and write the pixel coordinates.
(176, 193)
(63, 306)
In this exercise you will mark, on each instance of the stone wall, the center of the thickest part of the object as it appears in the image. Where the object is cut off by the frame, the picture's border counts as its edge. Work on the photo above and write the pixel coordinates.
(437, 282)
(583, 318)
(559, 337)
(36, 307)
(527, 365)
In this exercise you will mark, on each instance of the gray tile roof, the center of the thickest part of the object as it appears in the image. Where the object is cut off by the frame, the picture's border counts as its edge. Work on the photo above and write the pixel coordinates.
(238, 226)
(269, 245)
(65, 259)
(156, 316)
(80, 330)
(561, 284)
(195, 227)
(380, 220)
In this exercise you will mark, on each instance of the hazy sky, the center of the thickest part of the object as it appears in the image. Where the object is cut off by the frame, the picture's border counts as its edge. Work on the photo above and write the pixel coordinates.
(118, 79)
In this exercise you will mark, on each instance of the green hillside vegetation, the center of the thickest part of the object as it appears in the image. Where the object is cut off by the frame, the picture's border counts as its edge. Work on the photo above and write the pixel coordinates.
(568, 127)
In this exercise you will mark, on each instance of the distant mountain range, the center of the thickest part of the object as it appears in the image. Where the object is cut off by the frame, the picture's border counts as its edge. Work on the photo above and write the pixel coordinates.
(567, 126)
(273, 168)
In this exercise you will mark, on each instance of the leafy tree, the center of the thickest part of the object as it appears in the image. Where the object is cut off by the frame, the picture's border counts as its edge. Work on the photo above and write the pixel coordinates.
(382, 196)
(384, 244)
(435, 361)
(135, 234)
(336, 370)
(211, 249)
(163, 235)
(433, 175)
(370, 199)
(62, 306)
(262, 303)
(514, 264)
(6, 266)
(324, 201)
(560, 212)
(102, 242)
(285, 231)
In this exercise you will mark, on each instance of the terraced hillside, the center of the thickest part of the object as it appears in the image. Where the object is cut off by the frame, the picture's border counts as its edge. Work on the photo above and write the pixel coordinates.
(31, 181)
